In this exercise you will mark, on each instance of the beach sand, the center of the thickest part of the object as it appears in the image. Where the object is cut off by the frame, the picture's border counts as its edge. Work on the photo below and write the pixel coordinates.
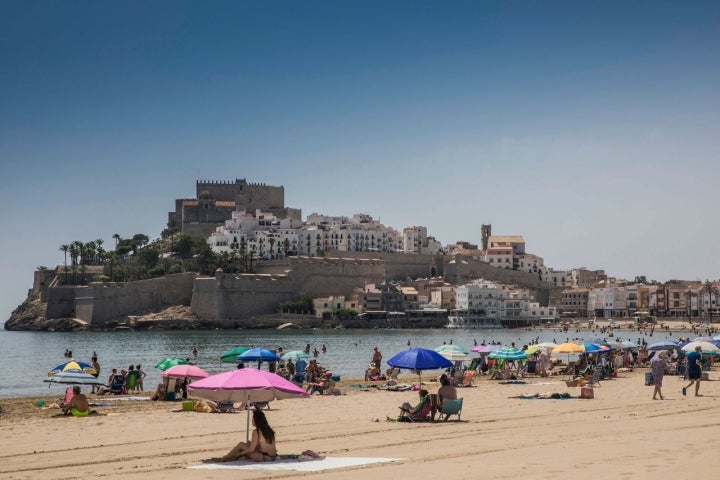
(621, 433)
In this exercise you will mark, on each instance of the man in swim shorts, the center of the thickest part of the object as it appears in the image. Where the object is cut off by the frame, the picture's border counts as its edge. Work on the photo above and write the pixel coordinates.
(78, 406)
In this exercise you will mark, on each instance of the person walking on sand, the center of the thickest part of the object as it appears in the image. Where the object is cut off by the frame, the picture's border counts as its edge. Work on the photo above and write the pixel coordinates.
(657, 366)
(694, 366)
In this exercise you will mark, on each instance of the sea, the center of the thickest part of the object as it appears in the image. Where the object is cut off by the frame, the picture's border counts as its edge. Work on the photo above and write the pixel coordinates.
(27, 357)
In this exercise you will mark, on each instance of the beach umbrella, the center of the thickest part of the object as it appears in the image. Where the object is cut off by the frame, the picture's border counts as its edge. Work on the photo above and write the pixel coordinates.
(181, 371)
(508, 353)
(295, 355)
(455, 348)
(569, 347)
(170, 362)
(485, 349)
(629, 344)
(707, 347)
(454, 353)
(703, 339)
(231, 355)
(259, 354)
(419, 359)
(245, 385)
(73, 377)
(594, 348)
(662, 346)
(74, 366)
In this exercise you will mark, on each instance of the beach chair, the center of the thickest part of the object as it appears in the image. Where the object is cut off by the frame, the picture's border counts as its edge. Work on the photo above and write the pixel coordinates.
(422, 411)
(594, 380)
(474, 363)
(118, 385)
(568, 370)
(467, 380)
(451, 407)
(69, 394)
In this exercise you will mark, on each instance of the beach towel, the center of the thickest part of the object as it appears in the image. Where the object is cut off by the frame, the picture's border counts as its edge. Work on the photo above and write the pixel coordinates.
(326, 463)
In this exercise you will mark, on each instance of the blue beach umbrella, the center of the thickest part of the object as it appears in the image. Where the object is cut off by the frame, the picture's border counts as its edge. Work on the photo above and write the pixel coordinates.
(73, 365)
(259, 354)
(662, 346)
(593, 347)
(419, 359)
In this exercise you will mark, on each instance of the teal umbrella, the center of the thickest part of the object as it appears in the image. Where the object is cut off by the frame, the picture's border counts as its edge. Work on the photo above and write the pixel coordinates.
(508, 353)
(295, 355)
(170, 362)
(451, 348)
(231, 355)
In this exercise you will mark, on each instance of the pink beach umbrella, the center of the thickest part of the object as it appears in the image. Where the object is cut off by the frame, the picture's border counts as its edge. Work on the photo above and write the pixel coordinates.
(485, 349)
(245, 385)
(181, 371)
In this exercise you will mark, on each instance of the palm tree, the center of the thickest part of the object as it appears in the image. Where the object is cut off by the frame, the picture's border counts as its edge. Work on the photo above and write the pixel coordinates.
(100, 250)
(709, 288)
(65, 248)
(117, 238)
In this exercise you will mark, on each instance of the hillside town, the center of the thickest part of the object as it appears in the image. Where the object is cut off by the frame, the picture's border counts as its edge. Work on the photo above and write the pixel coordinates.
(585, 293)
(235, 253)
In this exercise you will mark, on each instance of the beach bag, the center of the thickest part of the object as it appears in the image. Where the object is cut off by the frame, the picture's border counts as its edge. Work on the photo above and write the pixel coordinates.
(648, 378)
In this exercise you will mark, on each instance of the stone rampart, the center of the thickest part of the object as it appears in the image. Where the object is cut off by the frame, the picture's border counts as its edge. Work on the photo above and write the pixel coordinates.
(226, 299)
(101, 303)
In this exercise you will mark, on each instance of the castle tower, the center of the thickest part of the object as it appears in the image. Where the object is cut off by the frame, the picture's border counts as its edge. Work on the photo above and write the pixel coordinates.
(486, 232)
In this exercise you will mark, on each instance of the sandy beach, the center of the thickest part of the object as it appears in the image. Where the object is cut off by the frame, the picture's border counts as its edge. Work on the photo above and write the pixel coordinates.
(621, 433)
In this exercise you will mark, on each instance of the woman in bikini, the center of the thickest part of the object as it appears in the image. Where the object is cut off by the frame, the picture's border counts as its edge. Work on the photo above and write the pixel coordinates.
(262, 444)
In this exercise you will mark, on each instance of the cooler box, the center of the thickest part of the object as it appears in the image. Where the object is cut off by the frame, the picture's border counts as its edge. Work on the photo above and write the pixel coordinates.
(187, 406)
(705, 376)
(170, 396)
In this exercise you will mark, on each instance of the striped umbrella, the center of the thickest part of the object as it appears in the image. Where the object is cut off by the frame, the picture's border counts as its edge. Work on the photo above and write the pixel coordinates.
(73, 377)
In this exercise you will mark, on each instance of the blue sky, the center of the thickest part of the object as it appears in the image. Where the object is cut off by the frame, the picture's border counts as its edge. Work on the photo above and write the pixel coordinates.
(589, 128)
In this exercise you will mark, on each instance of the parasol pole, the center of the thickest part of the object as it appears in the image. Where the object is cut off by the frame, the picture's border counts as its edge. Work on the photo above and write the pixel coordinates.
(247, 425)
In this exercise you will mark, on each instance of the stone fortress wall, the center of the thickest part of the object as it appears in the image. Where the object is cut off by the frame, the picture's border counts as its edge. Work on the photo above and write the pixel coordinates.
(229, 300)
(102, 303)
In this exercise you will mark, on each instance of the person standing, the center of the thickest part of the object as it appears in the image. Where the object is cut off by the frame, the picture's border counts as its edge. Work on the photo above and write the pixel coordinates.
(694, 368)
(96, 365)
(377, 357)
(657, 367)
(141, 376)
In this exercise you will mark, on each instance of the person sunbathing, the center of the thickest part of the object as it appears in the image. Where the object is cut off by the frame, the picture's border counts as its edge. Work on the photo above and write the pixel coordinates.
(261, 447)
(420, 411)
(78, 406)
(319, 386)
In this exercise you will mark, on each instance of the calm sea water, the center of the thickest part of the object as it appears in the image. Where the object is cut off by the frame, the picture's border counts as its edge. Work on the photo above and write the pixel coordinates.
(26, 357)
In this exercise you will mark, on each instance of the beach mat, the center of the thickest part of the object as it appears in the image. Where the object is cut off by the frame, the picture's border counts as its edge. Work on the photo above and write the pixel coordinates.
(326, 463)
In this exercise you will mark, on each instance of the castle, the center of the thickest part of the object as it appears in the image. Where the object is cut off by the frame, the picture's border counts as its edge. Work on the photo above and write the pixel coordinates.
(215, 201)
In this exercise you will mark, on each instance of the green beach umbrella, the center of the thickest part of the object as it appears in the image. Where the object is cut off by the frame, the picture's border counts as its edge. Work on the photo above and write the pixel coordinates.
(170, 362)
(231, 355)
